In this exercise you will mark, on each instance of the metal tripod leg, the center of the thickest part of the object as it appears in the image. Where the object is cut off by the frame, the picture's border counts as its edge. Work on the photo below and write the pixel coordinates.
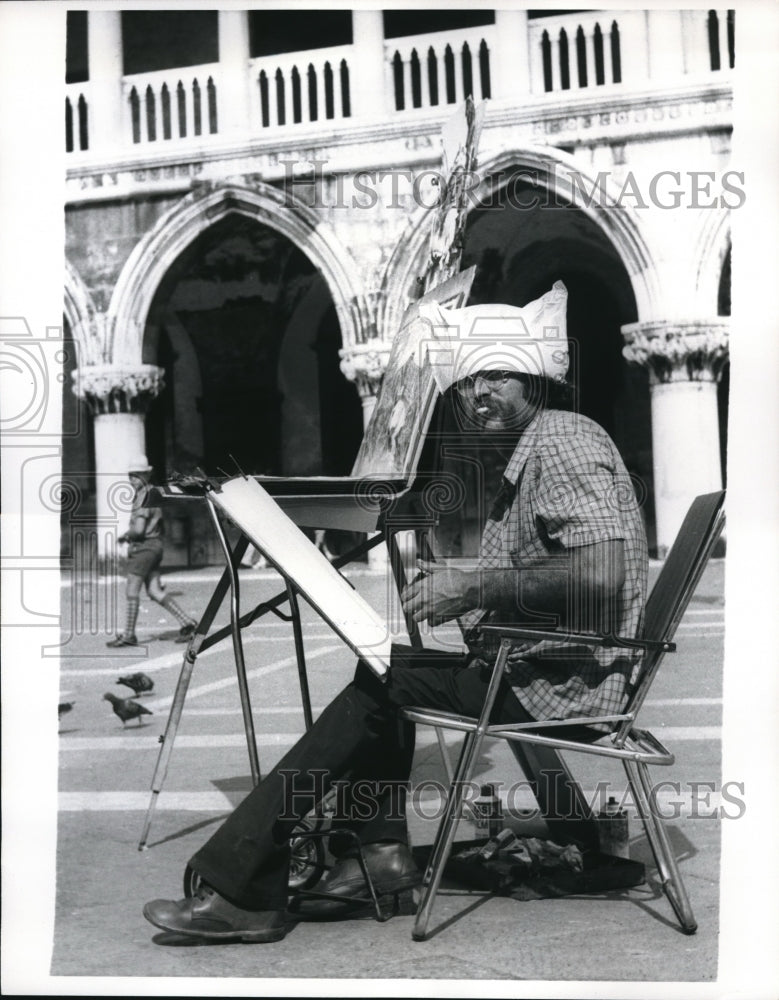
(240, 663)
(174, 716)
(294, 610)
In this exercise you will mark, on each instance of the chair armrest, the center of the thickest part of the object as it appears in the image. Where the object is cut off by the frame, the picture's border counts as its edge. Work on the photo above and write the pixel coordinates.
(582, 720)
(591, 638)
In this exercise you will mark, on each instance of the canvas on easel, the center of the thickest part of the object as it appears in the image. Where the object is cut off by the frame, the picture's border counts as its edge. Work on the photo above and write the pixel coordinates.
(278, 538)
(404, 407)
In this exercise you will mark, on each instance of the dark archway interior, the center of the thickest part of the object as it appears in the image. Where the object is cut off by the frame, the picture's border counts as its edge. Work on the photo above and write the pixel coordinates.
(245, 328)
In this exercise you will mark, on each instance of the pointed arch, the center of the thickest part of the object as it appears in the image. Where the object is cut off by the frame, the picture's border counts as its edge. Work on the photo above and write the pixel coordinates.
(179, 227)
(711, 248)
(79, 309)
(561, 175)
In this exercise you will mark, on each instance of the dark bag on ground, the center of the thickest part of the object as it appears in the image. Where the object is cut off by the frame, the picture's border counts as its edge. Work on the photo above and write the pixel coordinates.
(531, 868)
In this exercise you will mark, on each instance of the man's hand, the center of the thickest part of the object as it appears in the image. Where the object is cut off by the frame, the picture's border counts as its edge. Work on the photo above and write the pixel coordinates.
(440, 594)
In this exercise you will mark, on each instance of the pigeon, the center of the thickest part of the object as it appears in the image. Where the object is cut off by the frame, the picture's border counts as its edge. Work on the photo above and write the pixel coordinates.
(140, 683)
(64, 707)
(126, 708)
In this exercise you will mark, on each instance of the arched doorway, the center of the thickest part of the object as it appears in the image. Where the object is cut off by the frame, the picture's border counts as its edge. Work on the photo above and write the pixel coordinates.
(246, 330)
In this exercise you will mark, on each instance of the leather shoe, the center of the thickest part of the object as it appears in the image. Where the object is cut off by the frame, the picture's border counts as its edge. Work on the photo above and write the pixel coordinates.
(390, 866)
(209, 916)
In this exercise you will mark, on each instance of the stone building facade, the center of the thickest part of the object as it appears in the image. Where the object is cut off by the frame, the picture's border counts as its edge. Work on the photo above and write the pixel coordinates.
(244, 232)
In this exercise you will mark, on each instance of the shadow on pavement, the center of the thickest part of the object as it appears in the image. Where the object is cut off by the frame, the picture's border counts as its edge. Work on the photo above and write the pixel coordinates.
(185, 831)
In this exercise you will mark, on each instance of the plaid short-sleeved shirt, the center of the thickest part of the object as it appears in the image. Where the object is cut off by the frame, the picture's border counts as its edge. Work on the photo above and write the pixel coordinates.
(565, 486)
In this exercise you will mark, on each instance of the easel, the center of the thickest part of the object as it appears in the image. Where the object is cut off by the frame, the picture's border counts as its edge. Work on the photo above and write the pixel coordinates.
(200, 640)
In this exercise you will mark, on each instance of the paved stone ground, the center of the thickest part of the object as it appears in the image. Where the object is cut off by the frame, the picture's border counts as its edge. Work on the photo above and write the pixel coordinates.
(105, 771)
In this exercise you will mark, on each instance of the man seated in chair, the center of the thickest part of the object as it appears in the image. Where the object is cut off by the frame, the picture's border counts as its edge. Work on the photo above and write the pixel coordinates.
(563, 539)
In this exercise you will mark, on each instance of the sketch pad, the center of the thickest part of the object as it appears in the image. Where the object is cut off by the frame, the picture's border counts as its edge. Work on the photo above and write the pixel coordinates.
(279, 539)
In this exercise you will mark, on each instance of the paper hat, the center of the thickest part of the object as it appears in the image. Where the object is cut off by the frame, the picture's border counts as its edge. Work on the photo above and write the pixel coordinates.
(138, 463)
(490, 337)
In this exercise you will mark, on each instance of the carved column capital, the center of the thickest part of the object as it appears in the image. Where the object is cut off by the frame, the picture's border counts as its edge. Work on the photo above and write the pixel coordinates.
(685, 351)
(365, 364)
(118, 388)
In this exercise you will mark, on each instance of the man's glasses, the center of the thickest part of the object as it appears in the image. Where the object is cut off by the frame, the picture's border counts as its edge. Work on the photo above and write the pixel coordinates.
(494, 380)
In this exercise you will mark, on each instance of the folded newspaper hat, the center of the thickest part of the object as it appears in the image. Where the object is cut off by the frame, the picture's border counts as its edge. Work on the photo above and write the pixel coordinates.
(532, 340)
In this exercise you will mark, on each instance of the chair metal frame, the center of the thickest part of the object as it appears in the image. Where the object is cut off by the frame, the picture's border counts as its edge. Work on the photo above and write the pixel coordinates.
(635, 747)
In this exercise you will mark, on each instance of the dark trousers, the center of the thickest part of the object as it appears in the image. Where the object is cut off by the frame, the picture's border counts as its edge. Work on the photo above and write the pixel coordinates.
(358, 738)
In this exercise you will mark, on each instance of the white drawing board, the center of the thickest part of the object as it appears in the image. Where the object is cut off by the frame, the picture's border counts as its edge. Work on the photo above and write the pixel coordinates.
(279, 539)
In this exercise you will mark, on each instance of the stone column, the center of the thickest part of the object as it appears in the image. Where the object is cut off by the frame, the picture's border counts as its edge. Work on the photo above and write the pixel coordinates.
(118, 397)
(685, 360)
(366, 65)
(233, 93)
(107, 114)
(510, 56)
(365, 365)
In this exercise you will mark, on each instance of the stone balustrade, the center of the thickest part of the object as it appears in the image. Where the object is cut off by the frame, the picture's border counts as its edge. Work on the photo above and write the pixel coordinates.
(171, 104)
(580, 50)
(439, 68)
(577, 52)
(77, 96)
(301, 87)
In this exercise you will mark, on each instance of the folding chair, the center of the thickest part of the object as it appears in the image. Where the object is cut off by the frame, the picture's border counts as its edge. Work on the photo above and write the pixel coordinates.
(636, 748)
